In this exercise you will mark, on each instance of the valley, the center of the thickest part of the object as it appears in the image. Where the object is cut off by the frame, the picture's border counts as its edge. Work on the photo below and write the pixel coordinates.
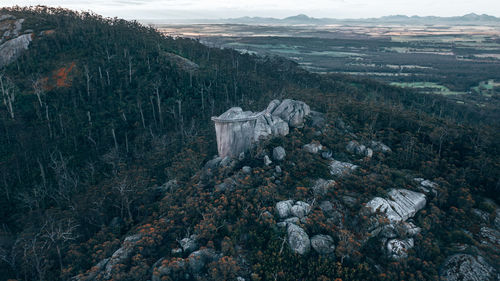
(436, 58)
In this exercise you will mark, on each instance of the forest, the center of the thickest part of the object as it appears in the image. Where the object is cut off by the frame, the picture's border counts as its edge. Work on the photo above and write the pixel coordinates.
(99, 114)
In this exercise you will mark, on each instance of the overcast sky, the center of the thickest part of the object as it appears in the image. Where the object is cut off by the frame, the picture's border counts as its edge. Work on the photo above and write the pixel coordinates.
(208, 9)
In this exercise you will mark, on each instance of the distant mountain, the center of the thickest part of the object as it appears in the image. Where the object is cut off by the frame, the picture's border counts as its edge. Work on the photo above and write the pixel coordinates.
(470, 18)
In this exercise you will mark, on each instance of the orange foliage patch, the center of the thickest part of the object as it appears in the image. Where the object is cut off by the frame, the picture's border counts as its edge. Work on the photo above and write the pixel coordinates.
(59, 78)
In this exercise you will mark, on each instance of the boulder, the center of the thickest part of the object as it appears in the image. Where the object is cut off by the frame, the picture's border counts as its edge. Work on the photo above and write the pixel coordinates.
(198, 259)
(401, 204)
(340, 169)
(279, 153)
(464, 267)
(298, 239)
(189, 244)
(300, 209)
(267, 161)
(323, 244)
(268, 125)
(291, 111)
(278, 170)
(482, 215)
(490, 235)
(317, 120)
(398, 249)
(12, 49)
(283, 208)
(294, 220)
(359, 149)
(121, 255)
(246, 170)
(313, 147)
(380, 147)
(322, 186)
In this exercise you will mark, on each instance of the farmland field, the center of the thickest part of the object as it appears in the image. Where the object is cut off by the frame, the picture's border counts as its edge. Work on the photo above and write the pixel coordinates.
(440, 59)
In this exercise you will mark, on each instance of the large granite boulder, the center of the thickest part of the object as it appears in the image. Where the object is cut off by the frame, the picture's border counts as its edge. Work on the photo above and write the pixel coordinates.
(323, 244)
(238, 130)
(313, 147)
(298, 239)
(400, 205)
(464, 267)
(300, 209)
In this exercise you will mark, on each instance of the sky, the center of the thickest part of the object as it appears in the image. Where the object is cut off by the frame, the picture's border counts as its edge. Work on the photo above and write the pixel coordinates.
(213, 9)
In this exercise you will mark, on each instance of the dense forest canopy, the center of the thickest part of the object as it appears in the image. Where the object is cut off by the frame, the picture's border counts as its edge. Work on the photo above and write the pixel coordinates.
(107, 110)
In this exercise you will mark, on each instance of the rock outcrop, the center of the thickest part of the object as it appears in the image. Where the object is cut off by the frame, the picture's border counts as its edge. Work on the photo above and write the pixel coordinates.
(12, 49)
(279, 153)
(313, 147)
(464, 267)
(237, 130)
(322, 186)
(400, 205)
(359, 149)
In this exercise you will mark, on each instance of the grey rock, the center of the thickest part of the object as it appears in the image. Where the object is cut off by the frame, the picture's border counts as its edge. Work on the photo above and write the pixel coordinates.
(482, 215)
(12, 49)
(300, 209)
(322, 186)
(247, 170)
(497, 219)
(323, 244)
(267, 161)
(340, 169)
(198, 259)
(283, 208)
(279, 153)
(121, 255)
(183, 63)
(401, 204)
(7, 17)
(277, 169)
(326, 155)
(294, 220)
(380, 147)
(176, 251)
(464, 267)
(350, 201)
(313, 147)
(189, 244)
(169, 186)
(359, 149)
(213, 164)
(292, 112)
(298, 239)
(239, 278)
(490, 235)
(317, 120)
(398, 249)
(326, 207)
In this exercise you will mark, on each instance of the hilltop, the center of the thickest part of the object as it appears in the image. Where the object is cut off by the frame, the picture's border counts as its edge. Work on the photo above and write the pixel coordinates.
(109, 166)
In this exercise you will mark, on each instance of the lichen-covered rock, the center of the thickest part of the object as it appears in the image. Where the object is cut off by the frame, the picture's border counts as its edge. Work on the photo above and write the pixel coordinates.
(401, 204)
(300, 209)
(322, 186)
(340, 169)
(464, 267)
(359, 149)
(283, 208)
(246, 170)
(313, 147)
(398, 249)
(279, 153)
(323, 244)
(12, 49)
(298, 239)
(267, 160)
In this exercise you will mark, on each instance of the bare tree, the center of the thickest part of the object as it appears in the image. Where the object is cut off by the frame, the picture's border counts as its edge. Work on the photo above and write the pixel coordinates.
(8, 93)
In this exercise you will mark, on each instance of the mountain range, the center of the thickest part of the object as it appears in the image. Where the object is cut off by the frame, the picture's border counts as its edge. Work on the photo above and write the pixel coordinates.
(467, 19)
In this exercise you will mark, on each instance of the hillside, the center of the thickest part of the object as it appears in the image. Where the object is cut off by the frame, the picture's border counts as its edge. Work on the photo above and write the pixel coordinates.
(108, 172)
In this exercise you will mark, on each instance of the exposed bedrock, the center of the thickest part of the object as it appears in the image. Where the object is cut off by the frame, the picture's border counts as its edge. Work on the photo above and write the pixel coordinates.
(238, 130)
